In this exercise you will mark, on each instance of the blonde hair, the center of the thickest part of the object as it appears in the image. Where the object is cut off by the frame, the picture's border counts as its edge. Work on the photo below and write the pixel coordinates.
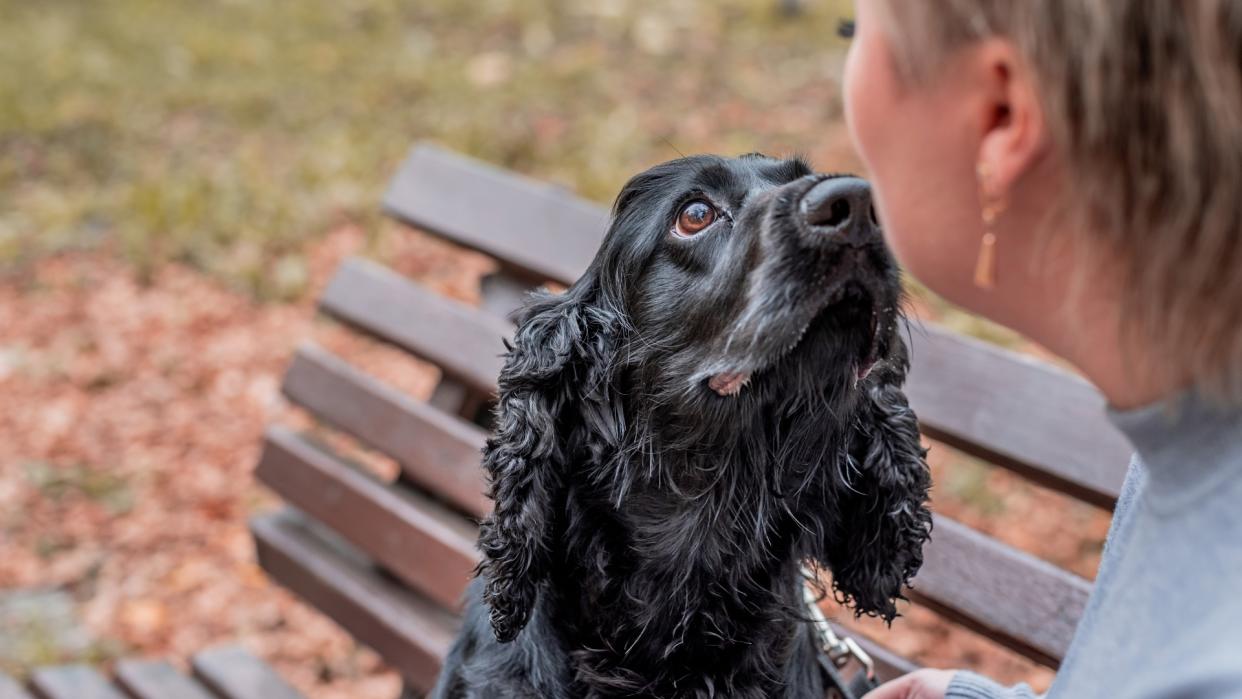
(1144, 101)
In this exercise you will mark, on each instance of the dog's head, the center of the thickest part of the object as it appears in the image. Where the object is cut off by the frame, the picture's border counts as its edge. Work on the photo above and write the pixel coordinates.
(747, 281)
(730, 297)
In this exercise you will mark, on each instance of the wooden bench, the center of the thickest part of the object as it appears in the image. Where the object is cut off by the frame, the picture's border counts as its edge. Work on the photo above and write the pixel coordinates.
(221, 673)
(388, 560)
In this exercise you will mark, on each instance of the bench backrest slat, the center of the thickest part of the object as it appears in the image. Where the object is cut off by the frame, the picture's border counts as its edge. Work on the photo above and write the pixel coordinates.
(411, 633)
(1026, 603)
(436, 451)
(1018, 412)
(373, 516)
(536, 230)
(464, 343)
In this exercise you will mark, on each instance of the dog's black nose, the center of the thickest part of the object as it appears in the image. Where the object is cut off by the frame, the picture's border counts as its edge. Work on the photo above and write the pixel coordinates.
(838, 204)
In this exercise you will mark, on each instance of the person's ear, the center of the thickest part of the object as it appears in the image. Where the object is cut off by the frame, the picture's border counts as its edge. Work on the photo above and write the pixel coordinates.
(1013, 131)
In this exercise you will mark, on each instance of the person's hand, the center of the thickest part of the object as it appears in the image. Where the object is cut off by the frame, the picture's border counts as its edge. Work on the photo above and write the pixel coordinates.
(920, 684)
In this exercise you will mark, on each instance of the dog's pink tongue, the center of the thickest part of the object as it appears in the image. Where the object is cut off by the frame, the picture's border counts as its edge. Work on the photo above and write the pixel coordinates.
(862, 371)
(728, 384)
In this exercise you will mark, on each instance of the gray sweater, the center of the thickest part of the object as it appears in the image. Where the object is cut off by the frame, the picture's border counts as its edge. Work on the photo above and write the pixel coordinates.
(1165, 617)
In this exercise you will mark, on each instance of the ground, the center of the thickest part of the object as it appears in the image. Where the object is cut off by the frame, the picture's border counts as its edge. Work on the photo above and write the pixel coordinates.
(178, 180)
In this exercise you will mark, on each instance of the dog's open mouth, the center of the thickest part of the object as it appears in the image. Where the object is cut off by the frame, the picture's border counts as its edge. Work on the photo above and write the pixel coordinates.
(850, 301)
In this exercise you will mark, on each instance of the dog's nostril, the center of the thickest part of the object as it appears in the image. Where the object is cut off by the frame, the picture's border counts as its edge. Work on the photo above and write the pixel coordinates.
(875, 219)
(834, 203)
(838, 213)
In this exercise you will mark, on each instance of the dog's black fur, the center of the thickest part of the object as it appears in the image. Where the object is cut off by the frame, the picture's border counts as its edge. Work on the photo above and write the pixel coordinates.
(648, 530)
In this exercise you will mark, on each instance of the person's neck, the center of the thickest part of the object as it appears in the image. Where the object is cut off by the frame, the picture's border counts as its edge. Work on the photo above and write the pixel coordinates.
(1117, 370)
(1087, 333)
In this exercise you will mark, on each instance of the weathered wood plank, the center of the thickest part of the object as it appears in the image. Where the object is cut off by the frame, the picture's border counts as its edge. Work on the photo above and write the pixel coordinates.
(9, 689)
(71, 682)
(419, 541)
(503, 294)
(1008, 595)
(464, 342)
(540, 231)
(411, 633)
(1018, 412)
(233, 673)
(436, 451)
(154, 679)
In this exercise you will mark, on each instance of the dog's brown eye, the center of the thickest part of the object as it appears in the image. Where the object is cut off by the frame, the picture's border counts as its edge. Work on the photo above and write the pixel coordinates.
(694, 217)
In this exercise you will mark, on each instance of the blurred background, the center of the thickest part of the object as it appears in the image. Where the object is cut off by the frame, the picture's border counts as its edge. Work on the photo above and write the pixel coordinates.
(178, 180)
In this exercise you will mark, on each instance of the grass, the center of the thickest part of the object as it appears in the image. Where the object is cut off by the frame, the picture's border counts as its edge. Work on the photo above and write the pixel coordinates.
(967, 482)
(226, 133)
(100, 485)
(41, 629)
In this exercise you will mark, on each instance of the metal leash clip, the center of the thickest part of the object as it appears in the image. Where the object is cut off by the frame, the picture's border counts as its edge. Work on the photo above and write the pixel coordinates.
(838, 649)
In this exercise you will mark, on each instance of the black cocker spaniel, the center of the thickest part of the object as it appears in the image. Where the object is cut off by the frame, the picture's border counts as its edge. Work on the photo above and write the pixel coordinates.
(714, 403)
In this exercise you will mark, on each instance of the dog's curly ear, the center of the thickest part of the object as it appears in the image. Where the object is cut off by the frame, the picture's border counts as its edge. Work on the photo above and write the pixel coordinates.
(884, 520)
(547, 363)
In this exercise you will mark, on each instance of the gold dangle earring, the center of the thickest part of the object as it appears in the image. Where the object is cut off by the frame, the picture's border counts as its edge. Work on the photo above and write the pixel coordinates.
(993, 207)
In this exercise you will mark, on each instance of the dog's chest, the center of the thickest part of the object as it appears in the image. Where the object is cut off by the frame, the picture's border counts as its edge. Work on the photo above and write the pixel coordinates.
(668, 592)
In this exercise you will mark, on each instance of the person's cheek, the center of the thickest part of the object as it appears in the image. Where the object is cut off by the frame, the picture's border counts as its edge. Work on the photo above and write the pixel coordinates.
(857, 108)
(871, 114)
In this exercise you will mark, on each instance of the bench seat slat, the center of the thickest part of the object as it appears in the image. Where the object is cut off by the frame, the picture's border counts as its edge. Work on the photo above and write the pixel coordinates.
(1008, 595)
(436, 451)
(540, 231)
(155, 679)
(9, 689)
(1017, 412)
(233, 673)
(72, 682)
(420, 541)
(411, 633)
(463, 341)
